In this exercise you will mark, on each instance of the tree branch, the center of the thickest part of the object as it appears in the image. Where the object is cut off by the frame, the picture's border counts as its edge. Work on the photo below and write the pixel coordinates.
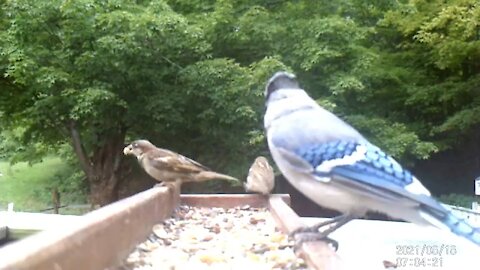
(117, 160)
(79, 149)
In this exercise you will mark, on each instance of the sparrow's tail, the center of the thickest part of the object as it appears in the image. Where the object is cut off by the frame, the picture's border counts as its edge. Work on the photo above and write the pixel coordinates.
(209, 175)
(456, 225)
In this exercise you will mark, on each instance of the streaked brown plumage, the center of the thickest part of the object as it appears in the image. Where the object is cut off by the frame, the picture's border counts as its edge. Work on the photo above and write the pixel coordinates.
(167, 166)
(260, 177)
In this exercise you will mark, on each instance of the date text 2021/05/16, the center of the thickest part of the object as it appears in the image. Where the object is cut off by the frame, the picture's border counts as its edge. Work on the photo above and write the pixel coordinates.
(425, 250)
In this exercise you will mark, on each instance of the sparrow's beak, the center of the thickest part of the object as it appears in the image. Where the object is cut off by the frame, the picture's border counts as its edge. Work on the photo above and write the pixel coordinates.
(127, 150)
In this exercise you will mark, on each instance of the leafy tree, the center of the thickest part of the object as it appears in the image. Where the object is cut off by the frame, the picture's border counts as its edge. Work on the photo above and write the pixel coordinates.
(93, 73)
(189, 75)
(443, 41)
(334, 49)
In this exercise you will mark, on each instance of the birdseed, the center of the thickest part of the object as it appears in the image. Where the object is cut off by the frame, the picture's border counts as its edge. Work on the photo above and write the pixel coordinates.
(215, 238)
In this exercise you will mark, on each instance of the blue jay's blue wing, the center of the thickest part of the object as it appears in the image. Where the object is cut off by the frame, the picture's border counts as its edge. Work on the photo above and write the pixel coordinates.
(364, 169)
(374, 162)
(370, 167)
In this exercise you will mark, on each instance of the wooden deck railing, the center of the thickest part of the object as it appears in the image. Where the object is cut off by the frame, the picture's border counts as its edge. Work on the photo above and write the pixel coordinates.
(104, 237)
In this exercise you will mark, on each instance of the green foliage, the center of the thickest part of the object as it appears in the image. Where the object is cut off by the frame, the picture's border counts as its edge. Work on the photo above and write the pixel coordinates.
(14, 150)
(458, 200)
(443, 36)
(70, 182)
(395, 138)
(190, 75)
(143, 68)
(83, 64)
(29, 187)
(452, 34)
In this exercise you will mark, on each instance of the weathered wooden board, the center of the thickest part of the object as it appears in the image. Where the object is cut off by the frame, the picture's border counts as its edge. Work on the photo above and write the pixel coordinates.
(98, 240)
(229, 200)
(318, 255)
(21, 224)
(3, 233)
(104, 237)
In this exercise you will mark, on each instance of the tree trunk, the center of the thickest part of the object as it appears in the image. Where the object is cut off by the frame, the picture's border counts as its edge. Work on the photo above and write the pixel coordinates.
(106, 176)
(103, 167)
(103, 189)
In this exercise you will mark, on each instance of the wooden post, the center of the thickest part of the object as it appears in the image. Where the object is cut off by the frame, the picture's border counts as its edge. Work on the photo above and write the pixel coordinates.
(3, 233)
(55, 200)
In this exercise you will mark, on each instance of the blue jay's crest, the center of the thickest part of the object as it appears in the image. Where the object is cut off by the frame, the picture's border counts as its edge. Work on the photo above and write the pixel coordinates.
(281, 80)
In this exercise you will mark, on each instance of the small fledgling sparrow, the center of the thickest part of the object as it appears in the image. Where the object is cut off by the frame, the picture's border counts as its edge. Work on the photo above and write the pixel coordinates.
(167, 166)
(260, 177)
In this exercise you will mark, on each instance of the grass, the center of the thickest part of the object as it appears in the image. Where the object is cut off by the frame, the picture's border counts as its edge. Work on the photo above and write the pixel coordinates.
(28, 187)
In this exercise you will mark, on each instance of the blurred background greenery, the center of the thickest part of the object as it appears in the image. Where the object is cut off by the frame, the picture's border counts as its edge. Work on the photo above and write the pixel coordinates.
(82, 78)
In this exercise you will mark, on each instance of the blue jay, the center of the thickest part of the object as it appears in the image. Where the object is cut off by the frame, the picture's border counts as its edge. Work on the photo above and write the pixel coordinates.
(336, 167)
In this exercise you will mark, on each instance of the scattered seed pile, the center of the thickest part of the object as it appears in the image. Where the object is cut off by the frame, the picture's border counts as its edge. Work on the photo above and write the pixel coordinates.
(215, 238)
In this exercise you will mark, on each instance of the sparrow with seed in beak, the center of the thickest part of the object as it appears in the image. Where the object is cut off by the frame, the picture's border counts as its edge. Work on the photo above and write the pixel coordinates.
(167, 166)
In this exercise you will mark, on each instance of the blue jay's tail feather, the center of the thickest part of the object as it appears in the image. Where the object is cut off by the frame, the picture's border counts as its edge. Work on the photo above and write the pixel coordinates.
(455, 224)
(434, 213)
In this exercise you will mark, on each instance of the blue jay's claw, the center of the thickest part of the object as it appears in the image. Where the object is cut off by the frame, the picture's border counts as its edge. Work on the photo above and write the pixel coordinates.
(337, 222)
(313, 233)
(312, 237)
